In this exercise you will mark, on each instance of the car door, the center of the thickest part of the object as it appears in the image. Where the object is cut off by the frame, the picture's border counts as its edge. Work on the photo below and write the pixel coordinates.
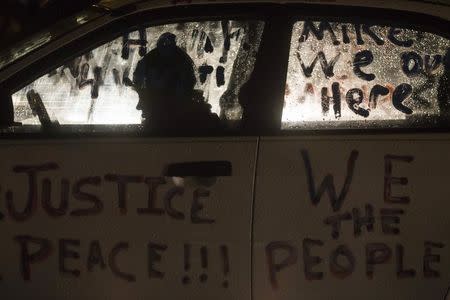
(351, 194)
(96, 207)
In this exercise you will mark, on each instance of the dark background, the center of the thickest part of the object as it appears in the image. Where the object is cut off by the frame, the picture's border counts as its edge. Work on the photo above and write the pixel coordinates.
(21, 18)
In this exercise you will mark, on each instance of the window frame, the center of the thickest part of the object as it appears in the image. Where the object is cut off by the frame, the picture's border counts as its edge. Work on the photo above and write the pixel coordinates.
(284, 14)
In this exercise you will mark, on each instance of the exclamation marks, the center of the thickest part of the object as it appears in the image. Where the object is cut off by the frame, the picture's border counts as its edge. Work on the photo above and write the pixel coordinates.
(204, 262)
(204, 259)
(187, 264)
(226, 264)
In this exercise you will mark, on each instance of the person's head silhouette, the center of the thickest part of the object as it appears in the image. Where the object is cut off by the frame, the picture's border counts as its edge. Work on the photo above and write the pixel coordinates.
(164, 79)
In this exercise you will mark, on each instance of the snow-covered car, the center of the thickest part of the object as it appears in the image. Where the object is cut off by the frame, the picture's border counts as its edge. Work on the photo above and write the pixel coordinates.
(228, 150)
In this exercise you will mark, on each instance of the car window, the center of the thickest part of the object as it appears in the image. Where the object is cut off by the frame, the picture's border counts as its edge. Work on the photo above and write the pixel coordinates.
(118, 82)
(343, 75)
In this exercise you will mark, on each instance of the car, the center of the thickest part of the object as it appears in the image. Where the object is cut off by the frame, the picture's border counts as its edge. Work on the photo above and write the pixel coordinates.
(228, 150)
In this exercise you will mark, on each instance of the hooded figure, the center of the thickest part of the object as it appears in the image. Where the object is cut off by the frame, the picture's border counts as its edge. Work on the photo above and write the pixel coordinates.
(165, 79)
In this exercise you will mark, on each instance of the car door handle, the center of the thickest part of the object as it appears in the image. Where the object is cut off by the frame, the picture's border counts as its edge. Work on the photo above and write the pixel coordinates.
(199, 169)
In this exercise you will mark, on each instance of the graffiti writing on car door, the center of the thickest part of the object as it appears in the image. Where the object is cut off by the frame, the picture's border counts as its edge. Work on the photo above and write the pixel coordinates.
(346, 247)
(49, 196)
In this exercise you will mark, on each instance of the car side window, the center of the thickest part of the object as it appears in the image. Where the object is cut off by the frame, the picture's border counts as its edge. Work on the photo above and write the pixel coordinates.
(172, 76)
(343, 75)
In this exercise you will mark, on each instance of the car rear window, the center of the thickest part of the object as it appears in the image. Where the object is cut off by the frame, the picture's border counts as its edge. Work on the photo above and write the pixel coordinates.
(343, 75)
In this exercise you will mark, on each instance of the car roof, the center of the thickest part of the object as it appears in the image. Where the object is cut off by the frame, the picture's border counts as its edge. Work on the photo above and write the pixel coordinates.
(437, 8)
(115, 9)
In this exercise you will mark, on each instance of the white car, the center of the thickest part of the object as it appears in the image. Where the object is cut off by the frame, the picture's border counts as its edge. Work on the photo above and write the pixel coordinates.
(300, 151)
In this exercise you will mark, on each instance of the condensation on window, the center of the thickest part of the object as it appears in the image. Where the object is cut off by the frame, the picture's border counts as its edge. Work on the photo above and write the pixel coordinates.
(96, 88)
(353, 75)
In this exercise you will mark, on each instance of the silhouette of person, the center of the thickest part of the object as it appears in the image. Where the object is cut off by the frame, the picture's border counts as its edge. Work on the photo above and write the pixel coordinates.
(164, 80)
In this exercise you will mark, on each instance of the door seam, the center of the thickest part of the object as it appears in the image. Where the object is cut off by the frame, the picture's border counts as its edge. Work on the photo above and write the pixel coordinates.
(252, 216)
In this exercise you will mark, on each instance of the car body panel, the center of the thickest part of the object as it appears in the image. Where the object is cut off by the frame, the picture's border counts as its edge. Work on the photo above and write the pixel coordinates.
(153, 257)
(403, 180)
(438, 8)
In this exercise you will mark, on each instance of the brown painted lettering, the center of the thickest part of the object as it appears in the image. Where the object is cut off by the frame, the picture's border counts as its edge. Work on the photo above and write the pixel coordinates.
(52, 211)
(97, 205)
(337, 267)
(376, 253)
(168, 202)
(153, 257)
(429, 258)
(112, 262)
(275, 267)
(152, 183)
(66, 253)
(311, 261)
(197, 207)
(32, 173)
(27, 258)
(122, 187)
(401, 271)
(95, 256)
(389, 180)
